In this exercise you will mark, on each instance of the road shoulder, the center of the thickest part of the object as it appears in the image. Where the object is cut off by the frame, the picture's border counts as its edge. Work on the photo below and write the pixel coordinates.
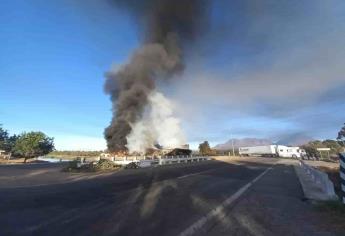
(275, 205)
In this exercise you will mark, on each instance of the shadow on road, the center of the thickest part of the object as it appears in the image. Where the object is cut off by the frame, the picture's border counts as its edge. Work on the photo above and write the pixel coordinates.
(158, 201)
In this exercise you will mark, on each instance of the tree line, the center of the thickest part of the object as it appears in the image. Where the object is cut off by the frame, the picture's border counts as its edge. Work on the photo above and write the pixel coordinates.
(335, 146)
(26, 145)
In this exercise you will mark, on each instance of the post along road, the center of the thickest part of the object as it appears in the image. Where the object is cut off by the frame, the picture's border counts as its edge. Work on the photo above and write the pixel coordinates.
(251, 196)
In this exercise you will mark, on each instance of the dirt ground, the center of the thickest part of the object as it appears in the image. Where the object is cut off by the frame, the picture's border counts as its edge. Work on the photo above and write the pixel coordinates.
(40, 174)
(18, 161)
(323, 164)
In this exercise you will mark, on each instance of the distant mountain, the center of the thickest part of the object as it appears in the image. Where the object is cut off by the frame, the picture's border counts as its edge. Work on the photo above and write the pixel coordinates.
(288, 140)
(242, 143)
(295, 140)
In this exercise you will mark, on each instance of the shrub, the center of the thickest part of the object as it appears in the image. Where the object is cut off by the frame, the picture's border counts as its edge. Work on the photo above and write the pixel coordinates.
(105, 165)
(132, 165)
(102, 165)
(335, 207)
(72, 166)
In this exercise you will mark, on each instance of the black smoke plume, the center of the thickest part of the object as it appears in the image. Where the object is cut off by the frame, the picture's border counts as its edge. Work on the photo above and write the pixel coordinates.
(168, 25)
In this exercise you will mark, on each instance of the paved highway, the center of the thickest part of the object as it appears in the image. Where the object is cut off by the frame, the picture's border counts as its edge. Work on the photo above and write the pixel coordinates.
(159, 201)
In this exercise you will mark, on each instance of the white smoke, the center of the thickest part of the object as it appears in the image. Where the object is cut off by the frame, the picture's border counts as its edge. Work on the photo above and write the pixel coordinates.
(158, 126)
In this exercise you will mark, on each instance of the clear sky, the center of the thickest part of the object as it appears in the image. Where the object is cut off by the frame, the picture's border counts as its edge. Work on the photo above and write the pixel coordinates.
(263, 69)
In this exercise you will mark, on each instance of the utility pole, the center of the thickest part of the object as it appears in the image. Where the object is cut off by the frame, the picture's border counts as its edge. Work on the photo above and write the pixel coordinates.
(232, 143)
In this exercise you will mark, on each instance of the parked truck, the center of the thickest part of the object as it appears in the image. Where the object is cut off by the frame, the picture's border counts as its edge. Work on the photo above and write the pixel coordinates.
(272, 151)
(267, 150)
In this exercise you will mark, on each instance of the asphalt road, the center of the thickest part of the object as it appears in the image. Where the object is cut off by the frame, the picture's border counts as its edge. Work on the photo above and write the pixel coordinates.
(156, 201)
(38, 174)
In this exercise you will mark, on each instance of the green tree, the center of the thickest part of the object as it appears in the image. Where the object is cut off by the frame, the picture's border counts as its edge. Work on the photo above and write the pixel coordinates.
(333, 145)
(311, 147)
(3, 139)
(33, 144)
(311, 150)
(10, 143)
(6, 141)
(341, 135)
(205, 149)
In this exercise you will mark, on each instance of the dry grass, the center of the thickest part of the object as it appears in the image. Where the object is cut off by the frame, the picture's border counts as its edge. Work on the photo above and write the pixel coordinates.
(332, 214)
(334, 176)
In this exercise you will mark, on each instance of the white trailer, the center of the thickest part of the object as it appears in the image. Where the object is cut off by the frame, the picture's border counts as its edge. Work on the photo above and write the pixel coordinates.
(267, 150)
(273, 151)
(294, 152)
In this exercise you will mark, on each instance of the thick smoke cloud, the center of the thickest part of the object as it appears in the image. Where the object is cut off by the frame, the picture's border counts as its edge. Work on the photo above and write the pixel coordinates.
(280, 70)
(168, 25)
(158, 124)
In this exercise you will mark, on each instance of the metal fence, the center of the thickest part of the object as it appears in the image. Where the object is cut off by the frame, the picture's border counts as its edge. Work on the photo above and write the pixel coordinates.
(166, 160)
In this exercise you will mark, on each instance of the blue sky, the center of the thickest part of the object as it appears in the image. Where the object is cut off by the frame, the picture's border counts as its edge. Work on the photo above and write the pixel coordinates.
(52, 64)
(276, 72)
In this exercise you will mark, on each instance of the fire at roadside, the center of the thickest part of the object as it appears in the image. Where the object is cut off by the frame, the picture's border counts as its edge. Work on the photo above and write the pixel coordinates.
(151, 153)
(169, 26)
(122, 159)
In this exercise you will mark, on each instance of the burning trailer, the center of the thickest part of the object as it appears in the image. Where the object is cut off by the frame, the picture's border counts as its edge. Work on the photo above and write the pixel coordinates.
(151, 153)
(154, 156)
(179, 152)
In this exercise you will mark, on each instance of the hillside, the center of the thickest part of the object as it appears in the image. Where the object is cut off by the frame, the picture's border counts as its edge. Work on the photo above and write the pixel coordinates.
(242, 143)
(295, 140)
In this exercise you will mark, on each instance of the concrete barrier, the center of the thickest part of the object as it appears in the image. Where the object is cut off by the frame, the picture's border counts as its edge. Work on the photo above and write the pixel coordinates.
(321, 180)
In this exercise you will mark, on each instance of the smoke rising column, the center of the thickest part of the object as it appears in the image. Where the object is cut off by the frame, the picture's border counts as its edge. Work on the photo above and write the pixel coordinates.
(168, 25)
(157, 125)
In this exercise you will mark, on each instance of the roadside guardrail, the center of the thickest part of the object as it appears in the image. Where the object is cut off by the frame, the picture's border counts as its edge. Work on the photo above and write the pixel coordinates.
(167, 160)
(181, 159)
